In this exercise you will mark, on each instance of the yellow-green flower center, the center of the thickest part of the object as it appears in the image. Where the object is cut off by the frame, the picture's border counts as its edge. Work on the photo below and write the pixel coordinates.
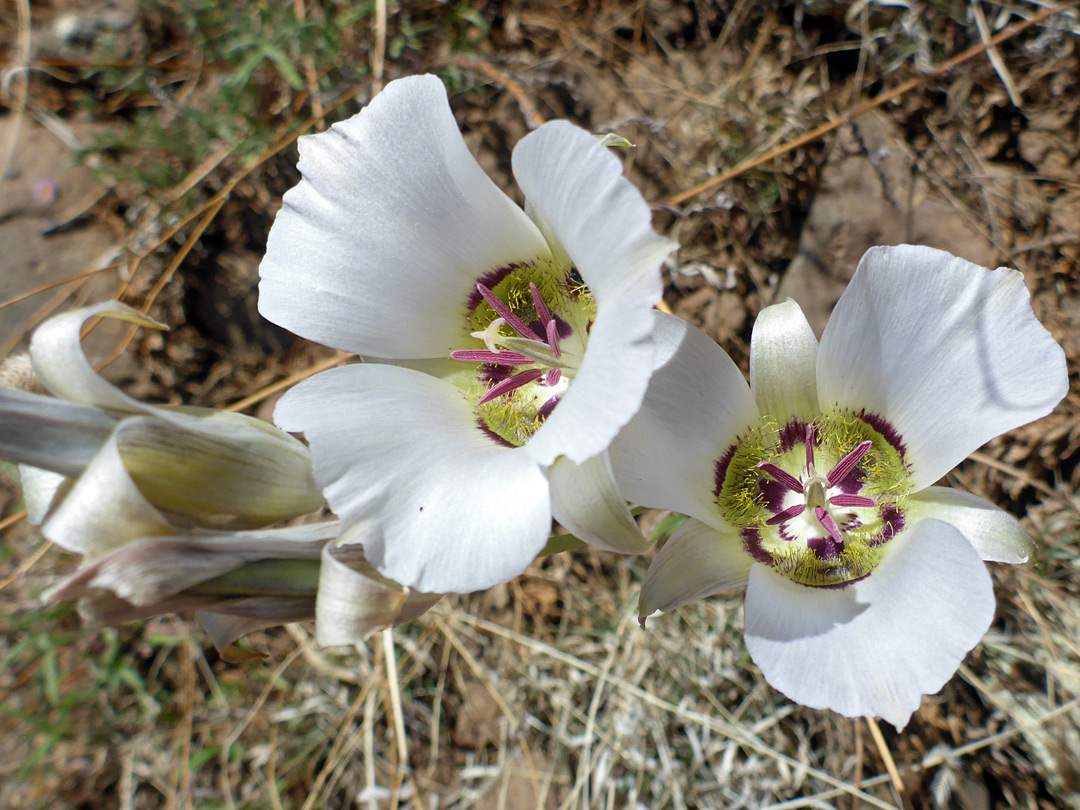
(816, 500)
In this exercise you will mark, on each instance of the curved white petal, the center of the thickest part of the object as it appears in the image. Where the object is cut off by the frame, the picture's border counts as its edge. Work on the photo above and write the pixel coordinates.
(354, 600)
(104, 509)
(697, 561)
(578, 193)
(783, 364)
(696, 405)
(948, 352)
(875, 647)
(607, 389)
(59, 363)
(42, 490)
(586, 500)
(995, 534)
(439, 505)
(577, 188)
(379, 247)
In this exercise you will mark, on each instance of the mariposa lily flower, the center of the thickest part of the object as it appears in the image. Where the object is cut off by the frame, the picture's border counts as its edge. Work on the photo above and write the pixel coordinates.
(813, 487)
(152, 497)
(510, 345)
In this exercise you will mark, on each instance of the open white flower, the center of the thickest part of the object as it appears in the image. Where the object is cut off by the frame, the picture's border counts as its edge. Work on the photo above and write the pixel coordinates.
(812, 487)
(510, 346)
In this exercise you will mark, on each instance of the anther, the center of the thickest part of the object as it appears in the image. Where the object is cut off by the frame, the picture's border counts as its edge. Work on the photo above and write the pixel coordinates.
(852, 500)
(511, 384)
(787, 514)
(847, 463)
(780, 476)
(827, 523)
(505, 312)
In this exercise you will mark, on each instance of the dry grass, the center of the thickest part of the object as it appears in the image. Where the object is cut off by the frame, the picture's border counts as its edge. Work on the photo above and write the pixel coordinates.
(543, 692)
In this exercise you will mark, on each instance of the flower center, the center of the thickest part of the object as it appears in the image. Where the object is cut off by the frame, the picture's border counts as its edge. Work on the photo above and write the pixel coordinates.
(533, 323)
(817, 501)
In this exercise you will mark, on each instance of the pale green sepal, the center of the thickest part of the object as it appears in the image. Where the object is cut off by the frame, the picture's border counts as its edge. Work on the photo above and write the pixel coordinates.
(104, 509)
(49, 433)
(611, 139)
(994, 534)
(697, 561)
(355, 600)
(219, 470)
(560, 543)
(59, 363)
(586, 500)
(783, 364)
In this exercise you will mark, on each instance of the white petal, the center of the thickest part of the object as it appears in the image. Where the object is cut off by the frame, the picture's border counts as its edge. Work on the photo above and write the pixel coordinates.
(995, 534)
(379, 247)
(586, 500)
(577, 191)
(355, 601)
(697, 404)
(51, 433)
(607, 389)
(697, 561)
(399, 455)
(875, 647)
(104, 509)
(577, 188)
(59, 363)
(948, 352)
(42, 490)
(783, 364)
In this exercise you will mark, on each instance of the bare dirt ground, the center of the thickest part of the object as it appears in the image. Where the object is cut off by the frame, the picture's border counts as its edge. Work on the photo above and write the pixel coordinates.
(543, 692)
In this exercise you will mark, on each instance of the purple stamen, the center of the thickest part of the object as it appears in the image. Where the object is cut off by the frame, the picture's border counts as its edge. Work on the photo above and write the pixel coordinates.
(851, 500)
(787, 514)
(847, 463)
(827, 522)
(504, 312)
(810, 447)
(501, 358)
(541, 308)
(553, 337)
(511, 384)
(552, 376)
(780, 476)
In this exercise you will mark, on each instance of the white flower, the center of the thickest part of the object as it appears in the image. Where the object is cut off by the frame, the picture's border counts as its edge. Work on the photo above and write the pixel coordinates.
(813, 487)
(510, 346)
